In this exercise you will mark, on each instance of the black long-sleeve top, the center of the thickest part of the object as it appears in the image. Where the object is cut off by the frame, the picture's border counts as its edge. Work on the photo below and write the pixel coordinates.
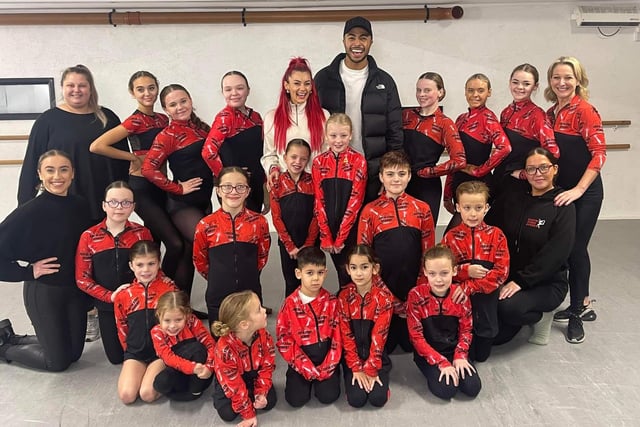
(540, 237)
(73, 133)
(47, 226)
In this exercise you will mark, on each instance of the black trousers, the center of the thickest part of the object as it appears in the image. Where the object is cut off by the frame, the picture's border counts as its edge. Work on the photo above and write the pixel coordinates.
(289, 266)
(59, 317)
(485, 324)
(223, 404)
(398, 335)
(297, 390)
(470, 385)
(109, 336)
(358, 397)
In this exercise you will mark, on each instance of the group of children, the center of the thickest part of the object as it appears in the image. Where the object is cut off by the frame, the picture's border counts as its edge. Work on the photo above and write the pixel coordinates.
(405, 297)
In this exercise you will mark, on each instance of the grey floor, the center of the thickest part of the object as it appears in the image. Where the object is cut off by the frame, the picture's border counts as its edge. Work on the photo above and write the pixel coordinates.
(591, 384)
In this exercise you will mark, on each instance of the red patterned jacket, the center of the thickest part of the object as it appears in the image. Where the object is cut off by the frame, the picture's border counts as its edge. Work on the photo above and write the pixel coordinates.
(308, 335)
(527, 127)
(232, 126)
(439, 329)
(340, 184)
(364, 326)
(425, 137)
(292, 211)
(580, 137)
(142, 129)
(400, 231)
(233, 358)
(479, 130)
(193, 330)
(230, 253)
(135, 314)
(485, 245)
(102, 260)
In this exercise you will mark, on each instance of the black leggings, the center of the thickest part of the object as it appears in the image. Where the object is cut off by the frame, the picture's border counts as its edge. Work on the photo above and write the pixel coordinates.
(186, 219)
(587, 211)
(485, 324)
(429, 190)
(289, 266)
(151, 207)
(358, 397)
(470, 385)
(179, 386)
(109, 336)
(297, 390)
(398, 335)
(59, 317)
(223, 404)
(526, 306)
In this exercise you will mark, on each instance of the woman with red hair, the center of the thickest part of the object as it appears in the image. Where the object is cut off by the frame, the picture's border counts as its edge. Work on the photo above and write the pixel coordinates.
(298, 115)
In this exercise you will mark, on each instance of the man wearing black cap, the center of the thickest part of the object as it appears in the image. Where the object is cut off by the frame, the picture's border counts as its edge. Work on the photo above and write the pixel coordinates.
(353, 84)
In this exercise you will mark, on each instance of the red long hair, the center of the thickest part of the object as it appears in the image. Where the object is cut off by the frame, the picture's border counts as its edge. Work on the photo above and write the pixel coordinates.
(315, 116)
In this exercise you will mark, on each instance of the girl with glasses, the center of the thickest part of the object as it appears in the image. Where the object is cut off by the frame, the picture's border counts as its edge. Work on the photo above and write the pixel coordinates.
(102, 258)
(231, 245)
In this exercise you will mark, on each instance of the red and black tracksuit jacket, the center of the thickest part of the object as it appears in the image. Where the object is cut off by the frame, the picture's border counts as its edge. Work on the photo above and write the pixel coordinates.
(485, 245)
(236, 364)
(479, 131)
(308, 335)
(231, 252)
(292, 211)
(426, 137)
(364, 326)
(527, 127)
(135, 309)
(235, 139)
(580, 137)
(143, 129)
(439, 329)
(168, 347)
(181, 144)
(102, 260)
(340, 182)
(400, 231)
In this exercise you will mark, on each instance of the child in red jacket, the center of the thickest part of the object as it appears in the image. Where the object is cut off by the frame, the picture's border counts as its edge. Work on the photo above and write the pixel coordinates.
(244, 359)
(483, 263)
(340, 180)
(440, 329)
(365, 315)
(185, 346)
(292, 200)
(309, 334)
(134, 309)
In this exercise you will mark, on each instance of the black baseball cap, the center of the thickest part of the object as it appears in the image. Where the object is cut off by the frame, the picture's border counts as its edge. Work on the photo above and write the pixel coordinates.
(358, 21)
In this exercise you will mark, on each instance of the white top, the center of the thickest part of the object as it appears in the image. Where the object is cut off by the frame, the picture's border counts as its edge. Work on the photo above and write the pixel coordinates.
(354, 81)
(297, 129)
(305, 299)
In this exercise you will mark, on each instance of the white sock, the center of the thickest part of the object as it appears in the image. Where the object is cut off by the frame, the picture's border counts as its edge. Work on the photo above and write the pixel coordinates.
(542, 329)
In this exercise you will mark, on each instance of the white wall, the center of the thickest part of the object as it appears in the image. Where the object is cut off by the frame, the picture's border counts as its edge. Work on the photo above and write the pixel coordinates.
(488, 39)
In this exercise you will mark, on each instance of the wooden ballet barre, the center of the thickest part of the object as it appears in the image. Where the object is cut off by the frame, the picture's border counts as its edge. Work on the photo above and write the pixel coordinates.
(10, 162)
(616, 122)
(14, 137)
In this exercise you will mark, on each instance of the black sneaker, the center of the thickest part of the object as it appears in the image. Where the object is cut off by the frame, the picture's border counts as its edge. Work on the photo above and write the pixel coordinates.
(586, 313)
(575, 331)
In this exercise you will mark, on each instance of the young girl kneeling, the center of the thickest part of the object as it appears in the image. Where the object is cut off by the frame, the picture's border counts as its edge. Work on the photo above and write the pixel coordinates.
(244, 359)
(135, 316)
(185, 346)
(440, 329)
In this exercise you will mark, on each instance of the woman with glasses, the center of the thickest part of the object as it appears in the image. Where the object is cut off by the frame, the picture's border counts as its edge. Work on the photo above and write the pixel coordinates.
(102, 261)
(189, 193)
(578, 130)
(231, 245)
(540, 237)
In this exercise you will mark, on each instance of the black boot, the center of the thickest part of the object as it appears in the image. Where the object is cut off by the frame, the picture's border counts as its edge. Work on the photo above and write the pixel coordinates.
(6, 331)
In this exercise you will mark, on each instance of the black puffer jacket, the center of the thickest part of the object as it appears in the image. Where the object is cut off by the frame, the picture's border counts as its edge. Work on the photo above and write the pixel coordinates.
(540, 237)
(381, 109)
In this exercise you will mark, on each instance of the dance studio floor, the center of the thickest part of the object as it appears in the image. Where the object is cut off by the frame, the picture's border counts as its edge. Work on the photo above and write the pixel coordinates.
(596, 383)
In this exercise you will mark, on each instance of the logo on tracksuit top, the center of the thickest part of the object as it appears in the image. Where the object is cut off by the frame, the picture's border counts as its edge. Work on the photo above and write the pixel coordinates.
(535, 222)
